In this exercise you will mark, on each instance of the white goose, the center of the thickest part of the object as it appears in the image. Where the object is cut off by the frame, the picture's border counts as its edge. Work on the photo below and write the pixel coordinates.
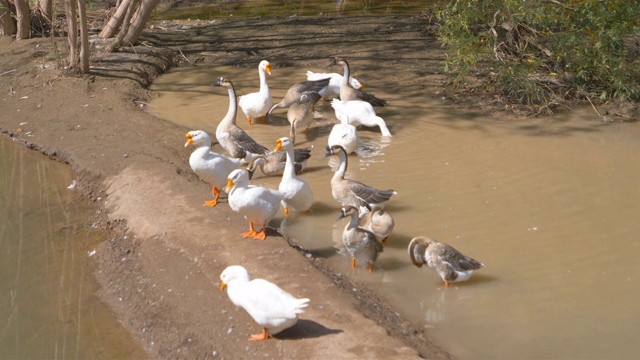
(231, 137)
(296, 191)
(256, 203)
(345, 135)
(359, 112)
(350, 192)
(255, 105)
(361, 244)
(333, 90)
(449, 263)
(208, 165)
(271, 307)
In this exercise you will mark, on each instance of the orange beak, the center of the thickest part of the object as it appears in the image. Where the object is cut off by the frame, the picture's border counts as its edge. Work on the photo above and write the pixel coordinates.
(278, 146)
(229, 185)
(189, 140)
(222, 286)
(268, 68)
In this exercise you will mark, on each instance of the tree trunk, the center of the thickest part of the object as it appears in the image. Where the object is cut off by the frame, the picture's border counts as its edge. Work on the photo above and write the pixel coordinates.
(7, 22)
(24, 19)
(116, 20)
(139, 21)
(117, 42)
(45, 7)
(72, 35)
(84, 37)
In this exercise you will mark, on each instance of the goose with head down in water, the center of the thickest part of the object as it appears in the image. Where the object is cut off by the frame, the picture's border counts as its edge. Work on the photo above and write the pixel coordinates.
(449, 263)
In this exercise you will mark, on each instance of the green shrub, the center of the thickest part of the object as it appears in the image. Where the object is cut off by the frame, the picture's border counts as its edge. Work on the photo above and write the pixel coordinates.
(545, 52)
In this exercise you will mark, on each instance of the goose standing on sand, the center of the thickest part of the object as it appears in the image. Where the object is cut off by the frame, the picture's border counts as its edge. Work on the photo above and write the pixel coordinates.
(345, 135)
(349, 93)
(295, 92)
(379, 221)
(301, 111)
(231, 137)
(271, 307)
(296, 191)
(361, 244)
(333, 90)
(350, 192)
(208, 165)
(255, 105)
(449, 263)
(256, 203)
(359, 112)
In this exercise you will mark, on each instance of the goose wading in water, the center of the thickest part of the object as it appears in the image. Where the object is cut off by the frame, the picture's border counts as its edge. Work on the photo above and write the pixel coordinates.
(350, 192)
(359, 112)
(449, 263)
(231, 137)
(301, 111)
(208, 165)
(295, 92)
(256, 203)
(296, 191)
(333, 90)
(256, 105)
(271, 307)
(274, 162)
(379, 221)
(347, 92)
(345, 135)
(361, 244)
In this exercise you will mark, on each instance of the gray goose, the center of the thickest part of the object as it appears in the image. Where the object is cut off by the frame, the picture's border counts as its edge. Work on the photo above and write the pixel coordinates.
(274, 162)
(361, 244)
(351, 192)
(301, 111)
(295, 92)
(347, 92)
(231, 137)
(449, 263)
(379, 221)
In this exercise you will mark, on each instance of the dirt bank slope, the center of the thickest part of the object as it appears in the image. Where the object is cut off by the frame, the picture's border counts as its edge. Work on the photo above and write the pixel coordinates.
(160, 274)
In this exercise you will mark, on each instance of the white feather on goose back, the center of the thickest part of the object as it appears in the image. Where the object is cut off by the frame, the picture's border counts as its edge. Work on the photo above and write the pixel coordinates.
(333, 90)
(208, 165)
(270, 306)
(256, 203)
(296, 191)
(345, 135)
(359, 112)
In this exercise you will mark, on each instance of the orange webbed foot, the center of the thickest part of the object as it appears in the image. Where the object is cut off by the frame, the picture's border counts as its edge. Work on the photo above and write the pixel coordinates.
(264, 335)
(261, 235)
(211, 203)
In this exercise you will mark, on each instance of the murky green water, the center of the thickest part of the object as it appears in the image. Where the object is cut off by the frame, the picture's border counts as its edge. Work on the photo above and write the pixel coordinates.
(548, 205)
(48, 306)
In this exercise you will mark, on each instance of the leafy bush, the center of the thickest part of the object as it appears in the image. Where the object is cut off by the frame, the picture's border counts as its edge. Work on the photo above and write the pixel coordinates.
(544, 52)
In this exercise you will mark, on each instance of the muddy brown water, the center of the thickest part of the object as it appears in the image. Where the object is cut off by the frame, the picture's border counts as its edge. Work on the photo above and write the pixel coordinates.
(548, 205)
(48, 303)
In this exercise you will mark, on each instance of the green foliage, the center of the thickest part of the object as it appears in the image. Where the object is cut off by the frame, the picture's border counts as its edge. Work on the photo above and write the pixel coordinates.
(545, 51)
